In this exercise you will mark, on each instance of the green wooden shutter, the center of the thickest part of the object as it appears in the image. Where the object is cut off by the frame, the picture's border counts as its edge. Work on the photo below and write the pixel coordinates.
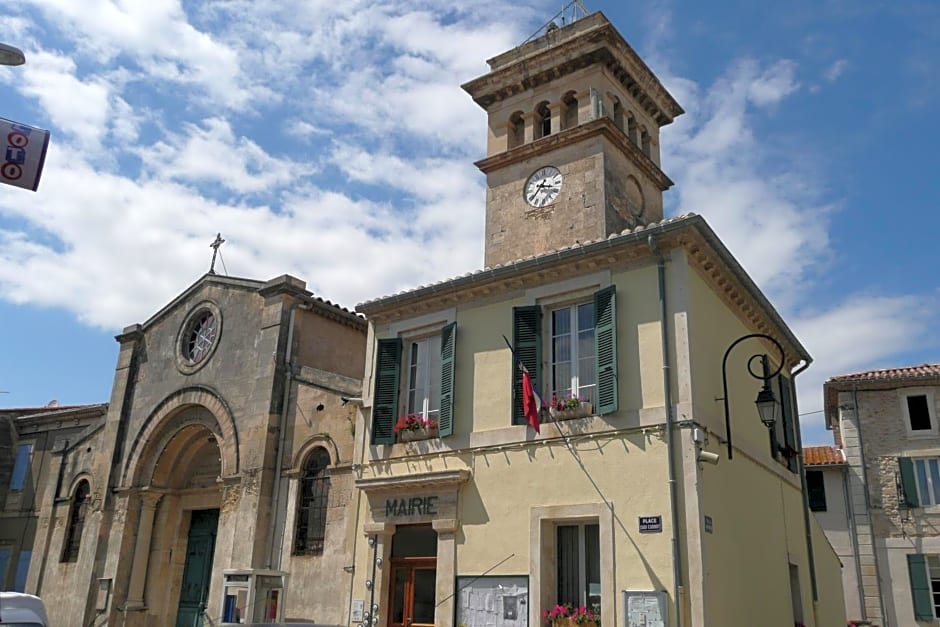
(605, 344)
(527, 344)
(385, 398)
(789, 422)
(920, 586)
(445, 423)
(908, 481)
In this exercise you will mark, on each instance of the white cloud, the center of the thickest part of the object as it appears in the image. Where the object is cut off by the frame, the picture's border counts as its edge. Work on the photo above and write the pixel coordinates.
(834, 71)
(213, 154)
(78, 107)
(158, 36)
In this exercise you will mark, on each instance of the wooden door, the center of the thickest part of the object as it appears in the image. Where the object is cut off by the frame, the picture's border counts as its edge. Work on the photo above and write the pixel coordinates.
(412, 593)
(200, 547)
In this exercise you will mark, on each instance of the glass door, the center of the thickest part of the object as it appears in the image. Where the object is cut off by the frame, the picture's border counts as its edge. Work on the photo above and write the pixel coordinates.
(413, 592)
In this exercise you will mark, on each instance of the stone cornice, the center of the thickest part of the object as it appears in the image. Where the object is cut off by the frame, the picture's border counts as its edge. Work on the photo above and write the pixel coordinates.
(551, 143)
(705, 252)
(589, 41)
(443, 479)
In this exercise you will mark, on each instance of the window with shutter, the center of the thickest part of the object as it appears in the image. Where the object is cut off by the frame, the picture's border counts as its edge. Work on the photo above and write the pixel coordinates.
(385, 396)
(448, 357)
(908, 482)
(605, 334)
(527, 345)
(788, 416)
(924, 579)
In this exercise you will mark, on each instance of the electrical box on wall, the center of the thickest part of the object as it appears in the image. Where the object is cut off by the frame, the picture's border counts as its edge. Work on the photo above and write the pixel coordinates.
(252, 596)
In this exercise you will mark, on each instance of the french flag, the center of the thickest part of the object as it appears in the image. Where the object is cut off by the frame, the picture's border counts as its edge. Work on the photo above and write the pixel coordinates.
(531, 401)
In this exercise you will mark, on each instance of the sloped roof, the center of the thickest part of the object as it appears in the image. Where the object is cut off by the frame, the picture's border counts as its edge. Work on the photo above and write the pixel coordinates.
(923, 371)
(283, 282)
(883, 379)
(822, 456)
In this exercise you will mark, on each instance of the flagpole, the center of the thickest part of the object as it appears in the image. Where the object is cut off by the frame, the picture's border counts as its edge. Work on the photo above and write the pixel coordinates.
(522, 367)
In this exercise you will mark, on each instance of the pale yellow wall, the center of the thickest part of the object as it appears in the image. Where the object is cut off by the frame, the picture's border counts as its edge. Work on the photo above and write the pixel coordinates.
(483, 367)
(831, 608)
(712, 329)
(758, 530)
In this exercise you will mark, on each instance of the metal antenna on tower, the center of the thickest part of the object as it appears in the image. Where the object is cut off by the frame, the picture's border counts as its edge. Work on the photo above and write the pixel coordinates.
(575, 9)
(215, 251)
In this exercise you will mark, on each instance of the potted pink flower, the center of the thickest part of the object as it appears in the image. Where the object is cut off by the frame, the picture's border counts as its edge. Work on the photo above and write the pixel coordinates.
(412, 427)
(565, 408)
(569, 615)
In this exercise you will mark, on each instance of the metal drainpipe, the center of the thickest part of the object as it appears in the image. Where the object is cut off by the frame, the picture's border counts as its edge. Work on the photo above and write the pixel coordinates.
(670, 423)
(276, 492)
(807, 529)
(874, 549)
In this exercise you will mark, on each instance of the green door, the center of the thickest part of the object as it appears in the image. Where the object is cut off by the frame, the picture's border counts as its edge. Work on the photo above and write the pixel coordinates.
(196, 573)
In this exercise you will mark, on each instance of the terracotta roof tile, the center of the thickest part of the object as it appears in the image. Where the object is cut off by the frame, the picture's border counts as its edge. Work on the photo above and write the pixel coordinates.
(822, 456)
(924, 371)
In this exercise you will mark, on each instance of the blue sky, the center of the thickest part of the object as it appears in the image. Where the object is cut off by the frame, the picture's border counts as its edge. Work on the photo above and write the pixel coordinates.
(332, 141)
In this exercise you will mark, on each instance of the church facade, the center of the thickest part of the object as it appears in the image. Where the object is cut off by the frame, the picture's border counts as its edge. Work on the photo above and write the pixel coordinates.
(482, 506)
(166, 509)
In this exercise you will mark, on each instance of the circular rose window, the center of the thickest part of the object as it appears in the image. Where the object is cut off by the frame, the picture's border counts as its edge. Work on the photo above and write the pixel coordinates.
(201, 338)
(198, 337)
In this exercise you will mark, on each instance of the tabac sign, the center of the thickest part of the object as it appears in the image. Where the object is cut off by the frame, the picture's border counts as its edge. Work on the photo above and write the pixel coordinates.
(22, 154)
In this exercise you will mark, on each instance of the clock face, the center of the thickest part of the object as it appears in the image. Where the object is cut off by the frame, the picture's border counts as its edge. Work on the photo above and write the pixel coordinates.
(543, 186)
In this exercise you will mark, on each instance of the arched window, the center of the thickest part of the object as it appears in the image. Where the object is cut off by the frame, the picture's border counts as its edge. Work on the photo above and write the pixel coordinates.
(571, 110)
(645, 142)
(631, 128)
(312, 503)
(618, 114)
(516, 129)
(543, 119)
(73, 534)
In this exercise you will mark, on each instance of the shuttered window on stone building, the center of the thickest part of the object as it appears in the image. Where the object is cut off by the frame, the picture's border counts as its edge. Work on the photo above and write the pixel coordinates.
(924, 572)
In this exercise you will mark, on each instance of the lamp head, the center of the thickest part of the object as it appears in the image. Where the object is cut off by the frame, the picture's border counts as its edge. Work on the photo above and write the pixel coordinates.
(767, 406)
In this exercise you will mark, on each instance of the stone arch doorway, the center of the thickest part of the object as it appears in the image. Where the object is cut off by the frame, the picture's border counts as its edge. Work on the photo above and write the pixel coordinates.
(177, 476)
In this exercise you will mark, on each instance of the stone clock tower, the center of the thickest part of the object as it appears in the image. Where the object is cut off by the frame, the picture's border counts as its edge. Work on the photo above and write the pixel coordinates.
(573, 140)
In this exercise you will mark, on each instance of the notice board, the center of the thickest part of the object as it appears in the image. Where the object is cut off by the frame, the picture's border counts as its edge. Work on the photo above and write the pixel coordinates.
(644, 608)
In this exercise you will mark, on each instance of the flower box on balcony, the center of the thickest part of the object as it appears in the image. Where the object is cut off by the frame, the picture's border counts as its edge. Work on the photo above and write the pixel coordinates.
(412, 435)
(414, 427)
(567, 621)
(585, 408)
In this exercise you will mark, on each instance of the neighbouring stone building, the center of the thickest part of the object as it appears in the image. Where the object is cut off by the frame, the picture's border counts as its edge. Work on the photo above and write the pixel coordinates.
(886, 423)
(477, 511)
(216, 483)
(32, 439)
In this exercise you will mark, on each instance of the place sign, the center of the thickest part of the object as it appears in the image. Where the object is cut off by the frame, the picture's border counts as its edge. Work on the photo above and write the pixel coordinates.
(412, 506)
(651, 524)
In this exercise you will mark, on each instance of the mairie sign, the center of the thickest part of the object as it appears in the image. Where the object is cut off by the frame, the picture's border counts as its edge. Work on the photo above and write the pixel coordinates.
(22, 154)
(412, 506)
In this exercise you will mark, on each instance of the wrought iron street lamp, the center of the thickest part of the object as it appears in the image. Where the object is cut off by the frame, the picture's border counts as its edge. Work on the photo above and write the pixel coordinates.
(11, 56)
(766, 401)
